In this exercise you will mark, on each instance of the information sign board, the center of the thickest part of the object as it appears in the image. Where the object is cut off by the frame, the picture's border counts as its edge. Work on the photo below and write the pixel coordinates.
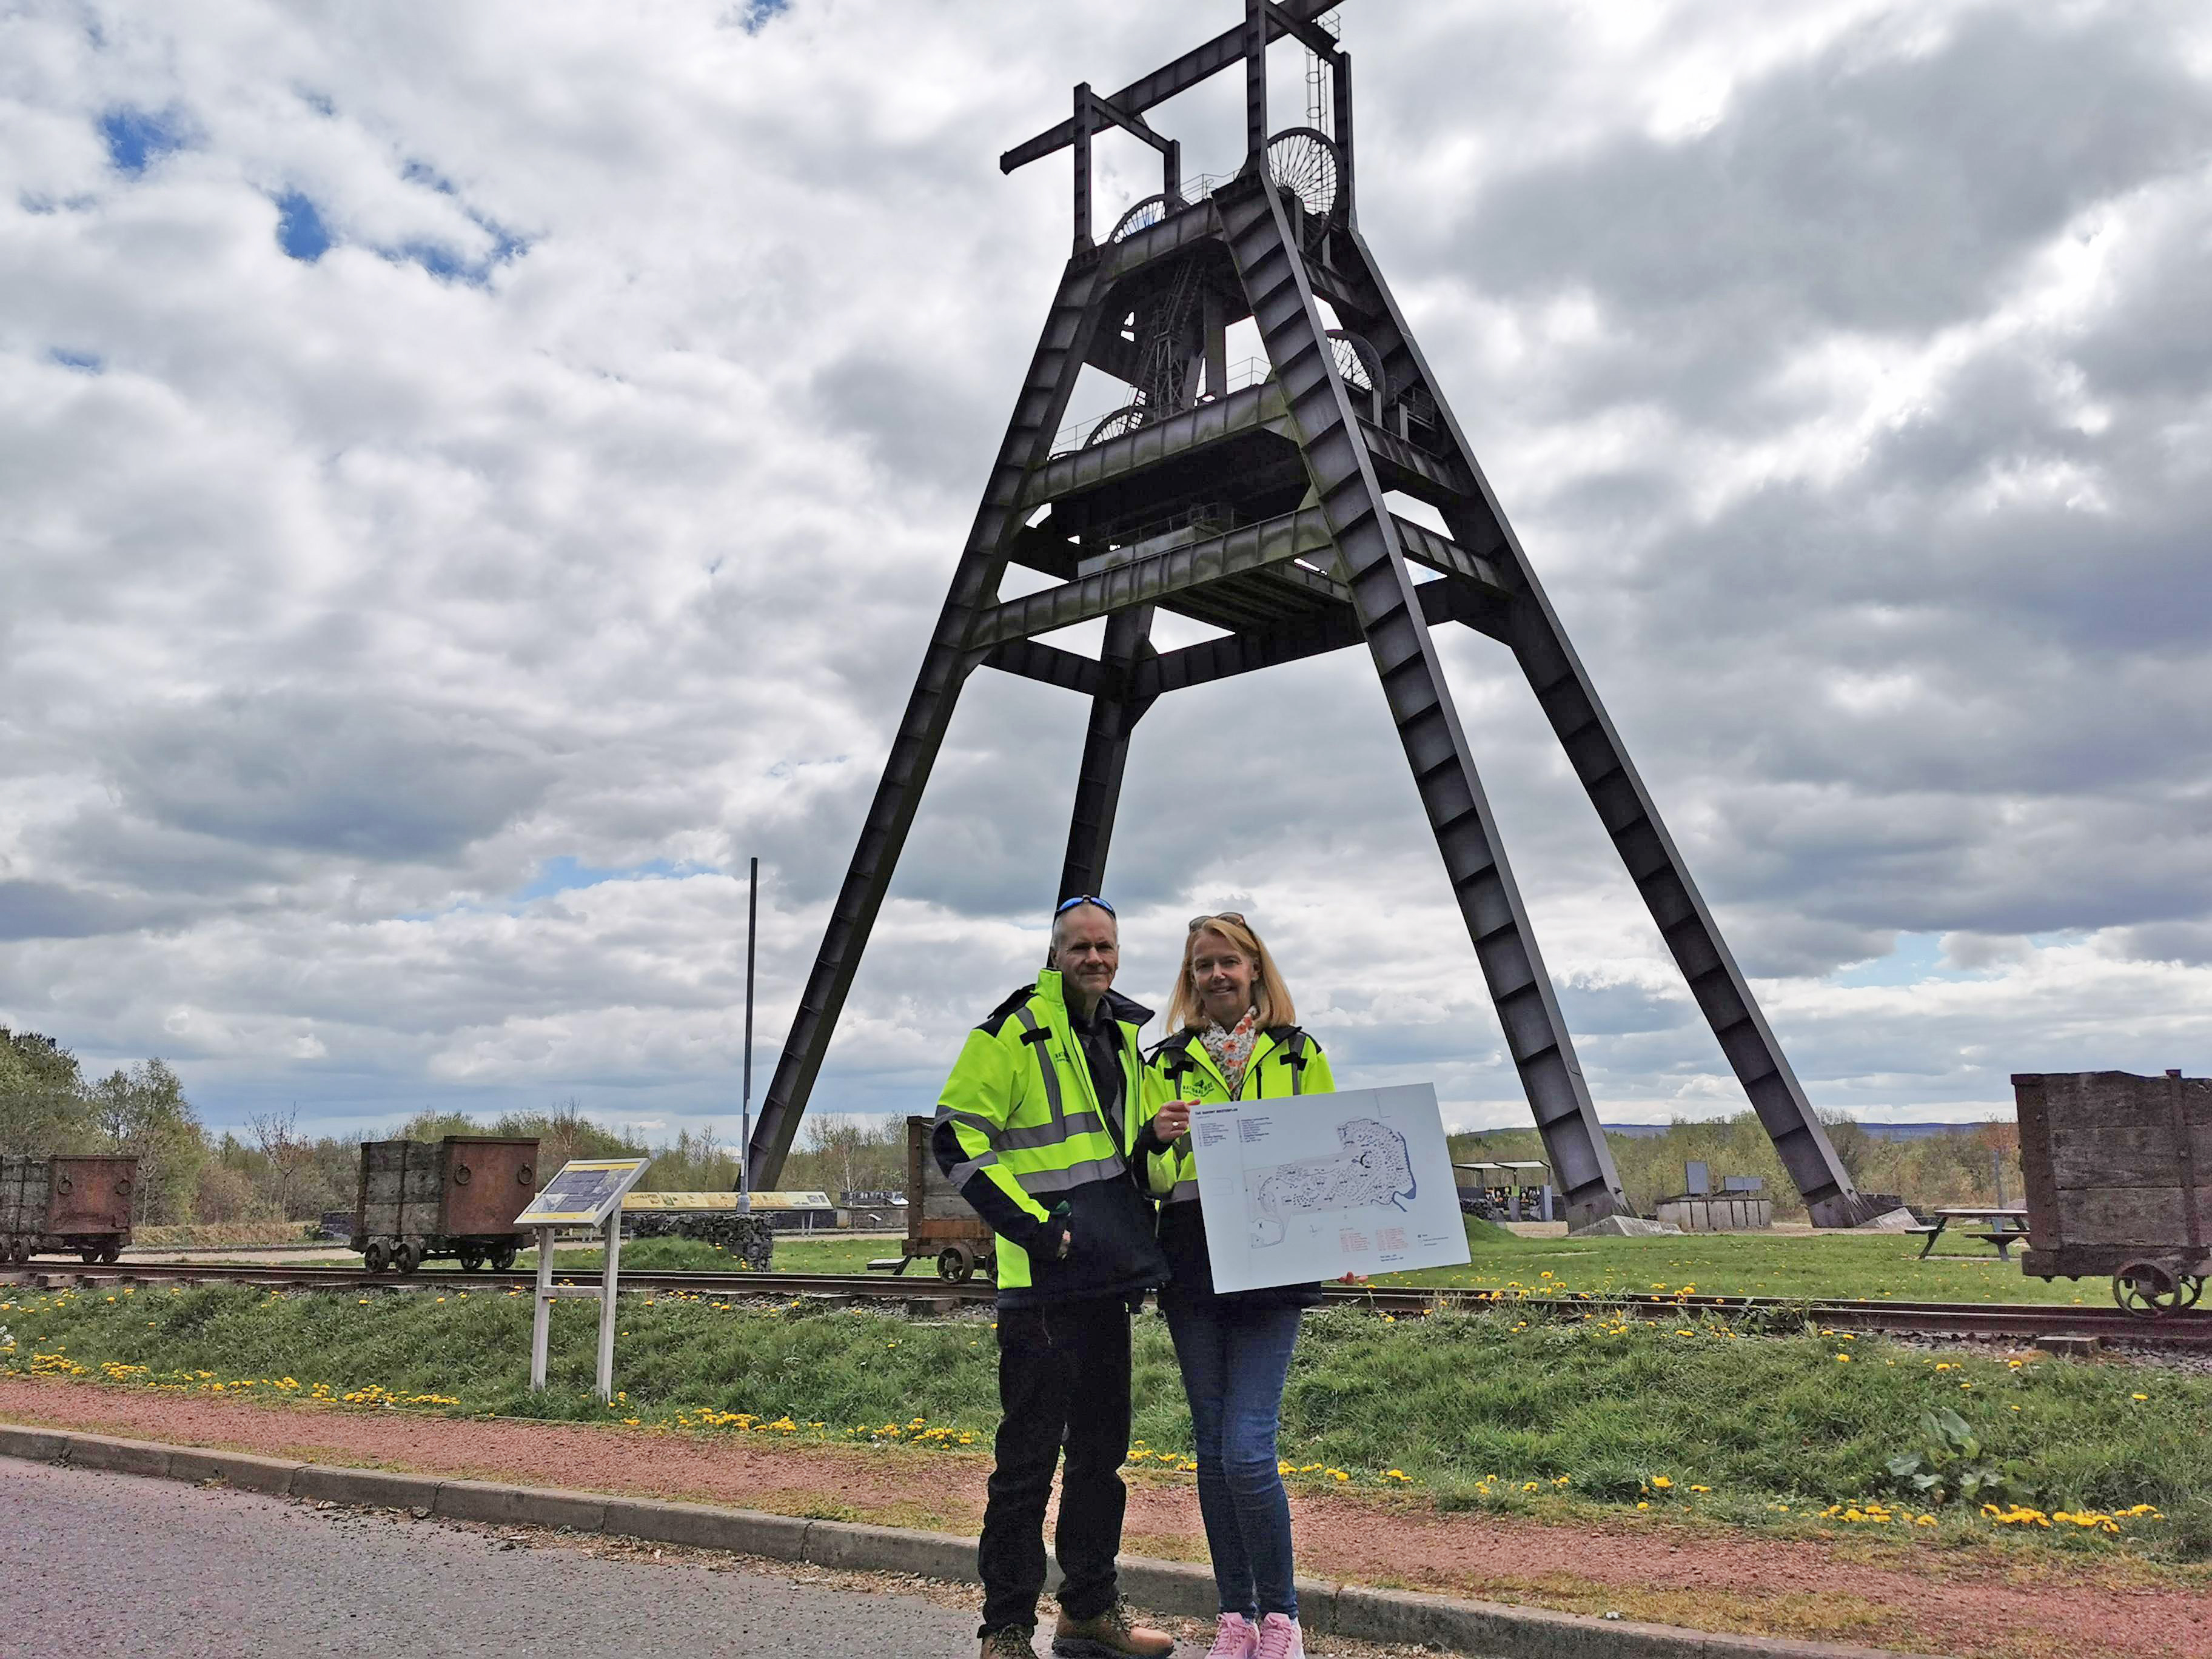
(636, 1203)
(584, 1194)
(1313, 1186)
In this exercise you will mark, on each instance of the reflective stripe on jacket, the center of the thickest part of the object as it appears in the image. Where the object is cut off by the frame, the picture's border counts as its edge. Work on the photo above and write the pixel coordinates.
(1284, 1061)
(1020, 1131)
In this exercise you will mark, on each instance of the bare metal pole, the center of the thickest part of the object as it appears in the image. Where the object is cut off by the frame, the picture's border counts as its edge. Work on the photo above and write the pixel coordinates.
(746, 1108)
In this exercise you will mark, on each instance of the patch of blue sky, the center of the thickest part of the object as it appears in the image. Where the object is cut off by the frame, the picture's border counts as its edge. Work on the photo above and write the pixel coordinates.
(565, 874)
(1915, 959)
(754, 16)
(448, 266)
(300, 229)
(85, 362)
(136, 137)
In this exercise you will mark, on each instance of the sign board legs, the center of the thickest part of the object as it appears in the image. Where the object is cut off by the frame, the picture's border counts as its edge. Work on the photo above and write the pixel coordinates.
(541, 1319)
(607, 1308)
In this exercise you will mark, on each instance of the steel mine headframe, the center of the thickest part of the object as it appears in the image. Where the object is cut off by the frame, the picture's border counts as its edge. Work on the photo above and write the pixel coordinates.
(1258, 502)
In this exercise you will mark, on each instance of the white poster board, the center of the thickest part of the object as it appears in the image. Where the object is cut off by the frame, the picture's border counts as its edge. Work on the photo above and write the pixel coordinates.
(1314, 1187)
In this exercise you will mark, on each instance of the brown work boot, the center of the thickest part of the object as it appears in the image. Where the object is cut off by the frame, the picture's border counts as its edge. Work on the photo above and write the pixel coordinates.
(1110, 1635)
(1009, 1642)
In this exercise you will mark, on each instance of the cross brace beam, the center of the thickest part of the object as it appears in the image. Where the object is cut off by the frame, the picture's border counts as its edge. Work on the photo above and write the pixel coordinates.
(1224, 50)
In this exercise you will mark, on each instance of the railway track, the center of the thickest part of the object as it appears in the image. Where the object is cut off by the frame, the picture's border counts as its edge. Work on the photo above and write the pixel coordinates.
(2022, 1320)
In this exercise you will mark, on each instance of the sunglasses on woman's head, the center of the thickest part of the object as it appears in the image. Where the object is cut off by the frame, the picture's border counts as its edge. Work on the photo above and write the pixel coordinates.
(1236, 916)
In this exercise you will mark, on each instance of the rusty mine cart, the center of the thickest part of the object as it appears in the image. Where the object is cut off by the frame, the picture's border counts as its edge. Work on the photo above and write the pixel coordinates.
(55, 1204)
(2118, 1171)
(940, 1225)
(457, 1197)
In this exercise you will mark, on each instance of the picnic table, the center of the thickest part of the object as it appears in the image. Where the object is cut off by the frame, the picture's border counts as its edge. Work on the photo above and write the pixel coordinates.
(2003, 1225)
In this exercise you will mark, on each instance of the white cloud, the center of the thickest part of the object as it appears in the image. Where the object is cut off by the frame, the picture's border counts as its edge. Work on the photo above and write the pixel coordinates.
(589, 497)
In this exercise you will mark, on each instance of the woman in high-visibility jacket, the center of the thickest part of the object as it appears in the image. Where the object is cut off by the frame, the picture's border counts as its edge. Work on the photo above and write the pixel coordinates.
(1233, 1035)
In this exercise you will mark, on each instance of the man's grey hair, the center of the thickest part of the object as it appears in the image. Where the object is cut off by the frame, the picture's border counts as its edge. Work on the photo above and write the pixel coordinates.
(1058, 921)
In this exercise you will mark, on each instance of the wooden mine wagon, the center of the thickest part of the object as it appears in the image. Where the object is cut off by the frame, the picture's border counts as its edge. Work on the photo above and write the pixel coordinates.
(456, 1197)
(940, 1225)
(2119, 1181)
(66, 1203)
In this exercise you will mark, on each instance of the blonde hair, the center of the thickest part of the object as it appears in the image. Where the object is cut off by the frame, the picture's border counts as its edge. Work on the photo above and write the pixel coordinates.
(1186, 1010)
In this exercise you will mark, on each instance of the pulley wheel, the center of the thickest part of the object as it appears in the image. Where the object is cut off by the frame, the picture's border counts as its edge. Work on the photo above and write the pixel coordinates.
(1359, 364)
(1125, 419)
(1142, 217)
(1305, 162)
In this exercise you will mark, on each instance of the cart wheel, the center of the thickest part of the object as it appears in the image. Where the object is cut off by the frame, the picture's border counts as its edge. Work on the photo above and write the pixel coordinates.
(375, 1258)
(470, 1260)
(2148, 1289)
(111, 1254)
(90, 1256)
(407, 1256)
(503, 1258)
(955, 1262)
(2192, 1288)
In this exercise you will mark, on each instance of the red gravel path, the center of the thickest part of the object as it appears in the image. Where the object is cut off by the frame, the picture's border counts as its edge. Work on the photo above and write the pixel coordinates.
(1993, 1604)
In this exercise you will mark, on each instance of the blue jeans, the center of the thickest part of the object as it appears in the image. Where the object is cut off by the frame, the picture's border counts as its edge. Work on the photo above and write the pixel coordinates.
(1234, 1359)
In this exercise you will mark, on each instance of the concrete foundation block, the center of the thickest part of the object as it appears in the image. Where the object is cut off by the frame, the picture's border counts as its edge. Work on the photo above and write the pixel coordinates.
(891, 1549)
(702, 1526)
(100, 1451)
(520, 1506)
(383, 1489)
(1487, 1627)
(1784, 1647)
(1316, 1604)
(1177, 1588)
(239, 1469)
(40, 1445)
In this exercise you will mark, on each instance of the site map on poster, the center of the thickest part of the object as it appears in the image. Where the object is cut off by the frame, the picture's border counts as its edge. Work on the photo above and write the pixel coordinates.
(1313, 1186)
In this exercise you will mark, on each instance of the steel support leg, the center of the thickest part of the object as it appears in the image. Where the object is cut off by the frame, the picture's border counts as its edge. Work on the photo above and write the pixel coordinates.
(1037, 414)
(1373, 564)
(1105, 755)
(1570, 701)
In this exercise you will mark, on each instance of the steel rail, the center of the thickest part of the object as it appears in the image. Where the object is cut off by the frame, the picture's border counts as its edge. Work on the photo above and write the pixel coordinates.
(2017, 1319)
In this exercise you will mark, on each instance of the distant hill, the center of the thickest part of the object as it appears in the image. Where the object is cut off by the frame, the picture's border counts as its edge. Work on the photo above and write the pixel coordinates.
(1875, 1131)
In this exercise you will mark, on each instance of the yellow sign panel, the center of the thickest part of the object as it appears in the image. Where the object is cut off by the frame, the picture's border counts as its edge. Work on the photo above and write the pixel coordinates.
(636, 1202)
(584, 1193)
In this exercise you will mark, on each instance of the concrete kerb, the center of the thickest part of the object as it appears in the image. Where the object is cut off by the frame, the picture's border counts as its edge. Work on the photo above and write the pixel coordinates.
(1175, 1587)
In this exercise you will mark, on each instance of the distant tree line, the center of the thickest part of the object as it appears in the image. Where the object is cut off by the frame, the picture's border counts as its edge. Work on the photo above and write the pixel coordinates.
(275, 1171)
(1958, 1166)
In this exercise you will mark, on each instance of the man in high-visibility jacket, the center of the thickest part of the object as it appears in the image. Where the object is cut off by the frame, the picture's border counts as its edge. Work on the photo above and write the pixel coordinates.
(1038, 1128)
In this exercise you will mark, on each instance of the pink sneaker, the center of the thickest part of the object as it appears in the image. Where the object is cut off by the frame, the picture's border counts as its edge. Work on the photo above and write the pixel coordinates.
(1280, 1638)
(1234, 1637)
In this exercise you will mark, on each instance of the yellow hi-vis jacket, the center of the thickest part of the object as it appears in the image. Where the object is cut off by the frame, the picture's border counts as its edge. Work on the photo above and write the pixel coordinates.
(1020, 1130)
(1284, 1061)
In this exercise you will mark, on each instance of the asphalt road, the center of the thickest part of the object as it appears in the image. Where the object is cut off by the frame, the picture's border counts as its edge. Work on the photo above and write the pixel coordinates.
(117, 1564)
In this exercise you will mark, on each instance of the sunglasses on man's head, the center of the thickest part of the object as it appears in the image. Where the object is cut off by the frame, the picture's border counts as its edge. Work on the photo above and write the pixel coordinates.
(1066, 905)
(1236, 916)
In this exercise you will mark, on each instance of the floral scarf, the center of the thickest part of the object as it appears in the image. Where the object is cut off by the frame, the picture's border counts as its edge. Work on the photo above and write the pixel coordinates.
(1233, 1049)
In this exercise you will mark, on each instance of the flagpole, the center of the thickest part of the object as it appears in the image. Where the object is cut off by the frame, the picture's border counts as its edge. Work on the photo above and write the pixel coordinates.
(746, 1108)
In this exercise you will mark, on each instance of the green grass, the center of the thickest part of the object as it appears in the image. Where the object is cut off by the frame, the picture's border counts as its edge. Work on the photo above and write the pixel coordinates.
(1874, 1266)
(1471, 1408)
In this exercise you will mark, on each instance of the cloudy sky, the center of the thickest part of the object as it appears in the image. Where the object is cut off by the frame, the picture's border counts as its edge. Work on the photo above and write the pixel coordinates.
(470, 476)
